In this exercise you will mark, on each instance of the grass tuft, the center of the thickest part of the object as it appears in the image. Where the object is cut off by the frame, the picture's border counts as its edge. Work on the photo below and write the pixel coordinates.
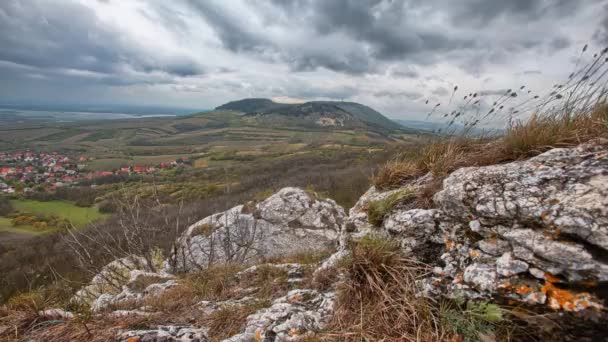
(378, 300)
(377, 210)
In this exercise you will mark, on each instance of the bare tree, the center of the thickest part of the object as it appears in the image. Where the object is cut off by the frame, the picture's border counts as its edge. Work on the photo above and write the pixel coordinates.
(138, 232)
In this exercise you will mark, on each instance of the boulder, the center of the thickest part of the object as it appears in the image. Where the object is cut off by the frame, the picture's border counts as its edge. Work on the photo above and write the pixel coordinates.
(288, 222)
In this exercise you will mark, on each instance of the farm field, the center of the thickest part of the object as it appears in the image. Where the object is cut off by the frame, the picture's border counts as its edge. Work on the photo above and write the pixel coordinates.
(78, 216)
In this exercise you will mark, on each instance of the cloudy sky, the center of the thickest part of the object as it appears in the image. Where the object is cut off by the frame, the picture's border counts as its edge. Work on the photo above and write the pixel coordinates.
(392, 55)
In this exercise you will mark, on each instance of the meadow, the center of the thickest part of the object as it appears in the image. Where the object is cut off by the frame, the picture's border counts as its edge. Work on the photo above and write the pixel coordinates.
(78, 216)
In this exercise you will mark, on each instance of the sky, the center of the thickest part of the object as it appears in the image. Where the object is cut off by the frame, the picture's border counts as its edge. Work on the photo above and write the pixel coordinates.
(391, 55)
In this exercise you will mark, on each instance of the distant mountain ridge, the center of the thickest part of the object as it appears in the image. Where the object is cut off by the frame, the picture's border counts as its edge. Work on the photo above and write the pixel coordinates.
(313, 113)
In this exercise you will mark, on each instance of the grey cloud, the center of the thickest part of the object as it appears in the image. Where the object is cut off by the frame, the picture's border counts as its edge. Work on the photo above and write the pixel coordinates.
(560, 43)
(304, 90)
(601, 34)
(492, 92)
(234, 37)
(405, 73)
(440, 91)
(69, 36)
(399, 94)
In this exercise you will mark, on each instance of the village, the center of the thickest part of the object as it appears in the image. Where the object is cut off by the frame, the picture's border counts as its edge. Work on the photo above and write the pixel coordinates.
(29, 171)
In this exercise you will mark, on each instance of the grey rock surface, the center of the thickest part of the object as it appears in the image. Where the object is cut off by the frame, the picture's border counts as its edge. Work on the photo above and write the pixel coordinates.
(288, 222)
(168, 333)
(291, 317)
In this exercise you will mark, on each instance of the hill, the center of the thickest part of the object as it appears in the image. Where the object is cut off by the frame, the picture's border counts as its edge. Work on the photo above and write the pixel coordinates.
(312, 114)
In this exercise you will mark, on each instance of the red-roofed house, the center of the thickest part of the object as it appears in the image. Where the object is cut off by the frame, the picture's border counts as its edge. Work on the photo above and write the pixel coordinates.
(139, 169)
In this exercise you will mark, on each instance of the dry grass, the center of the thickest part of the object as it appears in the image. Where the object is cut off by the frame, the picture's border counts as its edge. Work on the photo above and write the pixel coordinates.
(378, 300)
(521, 140)
(230, 321)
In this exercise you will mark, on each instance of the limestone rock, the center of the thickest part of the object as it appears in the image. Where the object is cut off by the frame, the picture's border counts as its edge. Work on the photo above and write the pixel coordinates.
(164, 334)
(291, 317)
(414, 227)
(120, 281)
(481, 276)
(288, 222)
(507, 266)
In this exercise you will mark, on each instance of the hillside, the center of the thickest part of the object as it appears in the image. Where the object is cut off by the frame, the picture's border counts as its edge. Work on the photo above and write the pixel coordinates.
(312, 114)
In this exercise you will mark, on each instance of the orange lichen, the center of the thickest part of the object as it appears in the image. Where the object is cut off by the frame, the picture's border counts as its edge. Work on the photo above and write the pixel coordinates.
(449, 244)
(506, 285)
(258, 335)
(522, 289)
(564, 299)
(133, 339)
(551, 278)
(294, 332)
(474, 253)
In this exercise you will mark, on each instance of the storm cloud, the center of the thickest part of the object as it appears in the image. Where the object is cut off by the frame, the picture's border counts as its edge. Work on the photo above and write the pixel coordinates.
(390, 54)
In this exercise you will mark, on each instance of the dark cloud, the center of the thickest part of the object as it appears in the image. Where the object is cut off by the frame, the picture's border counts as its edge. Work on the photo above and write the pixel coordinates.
(285, 48)
(230, 29)
(67, 36)
(386, 30)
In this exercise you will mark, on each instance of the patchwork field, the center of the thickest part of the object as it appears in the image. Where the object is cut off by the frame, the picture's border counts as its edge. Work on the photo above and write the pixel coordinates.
(79, 217)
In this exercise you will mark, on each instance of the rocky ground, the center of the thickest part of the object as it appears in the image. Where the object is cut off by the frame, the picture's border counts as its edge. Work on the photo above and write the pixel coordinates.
(531, 232)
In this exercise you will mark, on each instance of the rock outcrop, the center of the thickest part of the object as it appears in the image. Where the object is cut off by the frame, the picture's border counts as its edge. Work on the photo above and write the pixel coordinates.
(533, 231)
(288, 222)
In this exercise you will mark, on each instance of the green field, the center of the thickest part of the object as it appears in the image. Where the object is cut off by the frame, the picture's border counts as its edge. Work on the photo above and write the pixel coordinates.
(6, 226)
(78, 216)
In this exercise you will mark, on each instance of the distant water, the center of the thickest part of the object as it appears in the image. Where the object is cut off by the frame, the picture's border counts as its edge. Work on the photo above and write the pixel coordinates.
(67, 116)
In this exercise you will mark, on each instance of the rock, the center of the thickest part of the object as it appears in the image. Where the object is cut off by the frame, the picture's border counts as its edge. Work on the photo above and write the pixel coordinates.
(494, 247)
(111, 279)
(539, 274)
(165, 334)
(507, 266)
(546, 216)
(56, 313)
(333, 260)
(138, 286)
(414, 227)
(562, 189)
(481, 276)
(291, 317)
(288, 222)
